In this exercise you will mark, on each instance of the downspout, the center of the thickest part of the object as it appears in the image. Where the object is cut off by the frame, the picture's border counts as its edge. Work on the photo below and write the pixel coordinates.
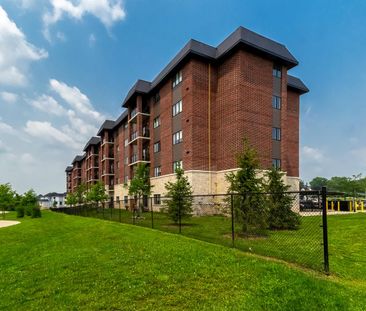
(209, 129)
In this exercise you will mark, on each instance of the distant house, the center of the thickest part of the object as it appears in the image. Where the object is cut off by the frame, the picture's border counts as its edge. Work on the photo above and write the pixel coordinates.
(52, 199)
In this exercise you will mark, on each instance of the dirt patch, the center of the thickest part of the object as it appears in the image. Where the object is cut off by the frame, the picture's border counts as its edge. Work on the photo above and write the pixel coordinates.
(8, 223)
(244, 236)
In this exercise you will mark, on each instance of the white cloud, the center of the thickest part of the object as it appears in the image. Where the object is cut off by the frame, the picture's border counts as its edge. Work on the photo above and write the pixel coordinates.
(76, 99)
(46, 132)
(15, 52)
(311, 153)
(48, 104)
(6, 128)
(107, 11)
(8, 97)
(4, 148)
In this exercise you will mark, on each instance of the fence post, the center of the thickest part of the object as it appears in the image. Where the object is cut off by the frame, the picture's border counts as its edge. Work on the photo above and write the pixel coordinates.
(119, 208)
(325, 230)
(152, 212)
(232, 221)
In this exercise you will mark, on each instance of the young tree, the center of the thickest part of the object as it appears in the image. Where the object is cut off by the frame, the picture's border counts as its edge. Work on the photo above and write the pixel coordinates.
(6, 197)
(71, 199)
(179, 204)
(140, 184)
(29, 201)
(280, 203)
(80, 193)
(96, 193)
(245, 187)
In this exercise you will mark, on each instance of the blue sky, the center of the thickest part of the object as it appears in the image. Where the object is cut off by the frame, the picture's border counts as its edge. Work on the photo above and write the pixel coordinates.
(66, 65)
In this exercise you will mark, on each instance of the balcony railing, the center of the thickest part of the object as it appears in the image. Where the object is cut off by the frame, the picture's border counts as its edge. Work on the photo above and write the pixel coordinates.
(145, 131)
(134, 135)
(134, 158)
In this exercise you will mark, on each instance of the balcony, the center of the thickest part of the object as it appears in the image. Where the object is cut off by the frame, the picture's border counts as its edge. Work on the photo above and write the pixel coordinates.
(134, 113)
(144, 159)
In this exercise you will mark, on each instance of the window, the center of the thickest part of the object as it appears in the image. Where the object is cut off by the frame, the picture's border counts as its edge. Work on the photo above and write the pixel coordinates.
(126, 125)
(276, 102)
(276, 72)
(126, 142)
(177, 137)
(177, 78)
(157, 199)
(126, 160)
(156, 98)
(117, 148)
(126, 179)
(157, 171)
(157, 147)
(276, 133)
(156, 122)
(177, 108)
(276, 163)
(117, 164)
(177, 164)
(125, 199)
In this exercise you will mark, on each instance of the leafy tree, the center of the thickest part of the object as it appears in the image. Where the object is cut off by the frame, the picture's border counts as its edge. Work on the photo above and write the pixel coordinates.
(80, 193)
(245, 185)
(96, 193)
(318, 182)
(280, 203)
(29, 201)
(179, 204)
(140, 184)
(71, 199)
(7, 196)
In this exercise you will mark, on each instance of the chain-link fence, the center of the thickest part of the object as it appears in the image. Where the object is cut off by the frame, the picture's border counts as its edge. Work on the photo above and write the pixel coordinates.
(291, 226)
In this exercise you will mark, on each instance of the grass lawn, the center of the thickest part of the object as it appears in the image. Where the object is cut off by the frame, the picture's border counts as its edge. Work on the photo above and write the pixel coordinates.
(61, 262)
(304, 246)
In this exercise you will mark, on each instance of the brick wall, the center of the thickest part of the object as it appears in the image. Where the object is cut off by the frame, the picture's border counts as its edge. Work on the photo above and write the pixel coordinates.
(292, 155)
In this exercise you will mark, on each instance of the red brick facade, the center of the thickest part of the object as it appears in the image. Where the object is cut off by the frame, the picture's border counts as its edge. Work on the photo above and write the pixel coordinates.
(224, 100)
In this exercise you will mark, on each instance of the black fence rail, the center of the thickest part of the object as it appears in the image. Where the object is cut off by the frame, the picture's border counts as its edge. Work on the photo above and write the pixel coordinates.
(290, 226)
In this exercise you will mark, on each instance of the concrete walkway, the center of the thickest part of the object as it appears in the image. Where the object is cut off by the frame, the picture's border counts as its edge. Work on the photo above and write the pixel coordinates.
(7, 223)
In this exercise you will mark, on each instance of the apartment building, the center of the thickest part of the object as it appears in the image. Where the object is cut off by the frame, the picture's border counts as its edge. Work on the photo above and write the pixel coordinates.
(196, 113)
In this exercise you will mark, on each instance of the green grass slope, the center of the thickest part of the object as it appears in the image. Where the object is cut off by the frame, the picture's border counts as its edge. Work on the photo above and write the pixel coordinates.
(62, 262)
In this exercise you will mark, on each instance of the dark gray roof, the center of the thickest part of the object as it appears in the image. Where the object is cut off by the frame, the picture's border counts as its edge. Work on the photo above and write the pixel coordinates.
(68, 169)
(78, 158)
(297, 84)
(241, 36)
(55, 194)
(92, 141)
(107, 125)
(123, 116)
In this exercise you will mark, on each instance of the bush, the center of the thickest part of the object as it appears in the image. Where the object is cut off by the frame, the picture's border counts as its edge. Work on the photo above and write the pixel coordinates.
(36, 212)
(28, 210)
(20, 211)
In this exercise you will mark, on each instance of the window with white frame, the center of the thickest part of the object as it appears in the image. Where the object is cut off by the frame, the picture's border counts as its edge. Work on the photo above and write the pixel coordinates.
(276, 102)
(156, 122)
(177, 78)
(177, 164)
(177, 107)
(157, 147)
(157, 171)
(126, 160)
(126, 179)
(126, 142)
(157, 199)
(177, 137)
(276, 133)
